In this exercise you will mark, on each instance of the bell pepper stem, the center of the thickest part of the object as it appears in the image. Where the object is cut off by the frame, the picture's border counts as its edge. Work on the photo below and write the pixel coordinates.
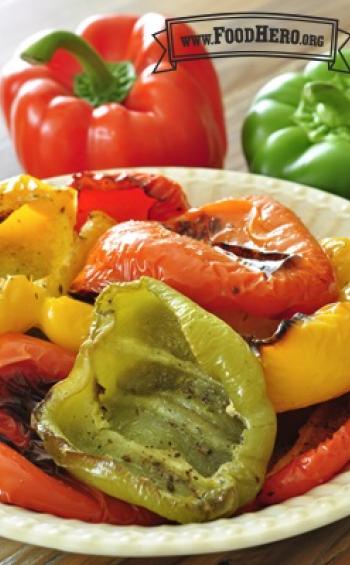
(43, 50)
(100, 82)
(325, 101)
(329, 95)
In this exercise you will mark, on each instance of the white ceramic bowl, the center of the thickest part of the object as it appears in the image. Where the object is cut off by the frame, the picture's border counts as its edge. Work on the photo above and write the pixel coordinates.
(325, 215)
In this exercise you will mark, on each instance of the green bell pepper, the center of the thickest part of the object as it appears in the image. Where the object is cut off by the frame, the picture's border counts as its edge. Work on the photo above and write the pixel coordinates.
(165, 407)
(298, 128)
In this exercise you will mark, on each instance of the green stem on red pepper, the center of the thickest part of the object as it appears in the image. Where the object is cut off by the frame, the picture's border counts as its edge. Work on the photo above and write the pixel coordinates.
(101, 82)
(145, 130)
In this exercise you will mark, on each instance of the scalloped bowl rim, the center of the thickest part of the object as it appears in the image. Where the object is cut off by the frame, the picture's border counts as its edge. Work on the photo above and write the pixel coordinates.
(322, 505)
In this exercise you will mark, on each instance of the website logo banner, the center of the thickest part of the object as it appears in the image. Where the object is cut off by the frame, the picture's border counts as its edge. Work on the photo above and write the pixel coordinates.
(253, 34)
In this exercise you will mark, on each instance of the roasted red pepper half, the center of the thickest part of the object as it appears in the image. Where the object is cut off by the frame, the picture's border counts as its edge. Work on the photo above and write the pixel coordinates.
(93, 101)
(128, 196)
(28, 476)
(249, 254)
(320, 452)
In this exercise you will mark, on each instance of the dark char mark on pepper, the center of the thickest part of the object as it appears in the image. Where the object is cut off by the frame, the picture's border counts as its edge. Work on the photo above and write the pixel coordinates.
(18, 398)
(209, 228)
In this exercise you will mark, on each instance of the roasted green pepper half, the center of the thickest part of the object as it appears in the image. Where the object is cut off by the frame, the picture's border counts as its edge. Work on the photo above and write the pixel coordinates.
(298, 128)
(165, 407)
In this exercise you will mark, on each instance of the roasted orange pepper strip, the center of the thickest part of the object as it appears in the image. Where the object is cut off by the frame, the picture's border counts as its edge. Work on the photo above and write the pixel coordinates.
(250, 254)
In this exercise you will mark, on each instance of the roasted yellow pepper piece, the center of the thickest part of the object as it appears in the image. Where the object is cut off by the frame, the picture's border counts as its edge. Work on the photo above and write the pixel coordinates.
(25, 305)
(37, 232)
(40, 253)
(25, 189)
(20, 303)
(338, 251)
(65, 321)
(308, 359)
(37, 235)
(97, 223)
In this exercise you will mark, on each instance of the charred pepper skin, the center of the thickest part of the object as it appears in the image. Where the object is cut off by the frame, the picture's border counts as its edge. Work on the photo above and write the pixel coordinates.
(298, 129)
(152, 415)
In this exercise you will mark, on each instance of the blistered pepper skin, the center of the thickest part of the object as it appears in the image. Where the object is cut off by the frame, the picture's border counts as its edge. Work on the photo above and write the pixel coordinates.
(152, 415)
(124, 196)
(202, 266)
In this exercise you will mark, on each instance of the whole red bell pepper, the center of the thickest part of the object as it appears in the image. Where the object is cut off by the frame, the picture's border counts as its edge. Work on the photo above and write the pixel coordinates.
(91, 101)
